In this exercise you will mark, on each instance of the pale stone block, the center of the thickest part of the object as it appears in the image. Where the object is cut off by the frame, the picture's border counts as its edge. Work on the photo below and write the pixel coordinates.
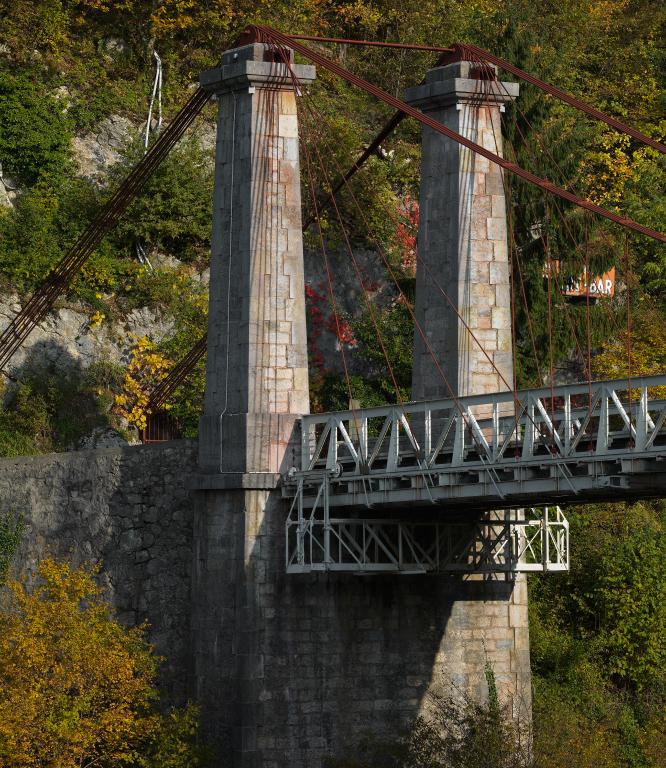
(486, 384)
(484, 321)
(479, 271)
(301, 380)
(500, 250)
(494, 182)
(498, 206)
(521, 638)
(501, 317)
(290, 149)
(482, 205)
(502, 294)
(496, 229)
(482, 250)
(288, 103)
(518, 616)
(499, 273)
(282, 374)
(483, 366)
(488, 338)
(481, 164)
(288, 126)
(483, 294)
(504, 340)
(488, 141)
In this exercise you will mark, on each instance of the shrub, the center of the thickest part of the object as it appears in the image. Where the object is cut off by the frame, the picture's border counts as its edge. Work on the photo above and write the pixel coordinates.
(78, 687)
(34, 134)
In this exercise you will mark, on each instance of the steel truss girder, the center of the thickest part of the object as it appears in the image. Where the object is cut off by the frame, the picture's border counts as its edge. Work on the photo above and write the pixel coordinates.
(504, 542)
(572, 443)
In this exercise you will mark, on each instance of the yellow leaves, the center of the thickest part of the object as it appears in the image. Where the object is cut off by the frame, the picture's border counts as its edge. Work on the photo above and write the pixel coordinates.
(145, 370)
(646, 344)
(174, 15)
(96, 319)
(607, 170)
(77, 687)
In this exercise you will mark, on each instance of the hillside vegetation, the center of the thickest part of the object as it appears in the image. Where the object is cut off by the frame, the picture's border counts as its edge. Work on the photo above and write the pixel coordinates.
(599, 633)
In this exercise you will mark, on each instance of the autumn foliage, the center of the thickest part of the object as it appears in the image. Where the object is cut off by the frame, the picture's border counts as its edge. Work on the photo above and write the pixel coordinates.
(78, 688)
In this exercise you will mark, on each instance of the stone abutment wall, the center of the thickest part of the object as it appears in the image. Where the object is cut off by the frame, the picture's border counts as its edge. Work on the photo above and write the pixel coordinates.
(127, 509)
(289, 668)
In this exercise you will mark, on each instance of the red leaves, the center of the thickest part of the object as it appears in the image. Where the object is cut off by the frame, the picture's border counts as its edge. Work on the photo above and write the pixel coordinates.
(323, 321)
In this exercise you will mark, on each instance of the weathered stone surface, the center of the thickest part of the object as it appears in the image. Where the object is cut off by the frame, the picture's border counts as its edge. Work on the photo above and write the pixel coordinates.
(9, 191)
(128, 510)
(462, 238)
(95, 152)
(310, 663)
(66, 338)
(257, 299)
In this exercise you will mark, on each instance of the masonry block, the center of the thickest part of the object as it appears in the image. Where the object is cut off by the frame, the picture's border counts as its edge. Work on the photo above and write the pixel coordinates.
(257, 305)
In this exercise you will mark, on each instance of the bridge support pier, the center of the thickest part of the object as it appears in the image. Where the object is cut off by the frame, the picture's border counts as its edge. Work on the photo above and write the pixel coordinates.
(289, 669)
(256, 388)
(463, 306)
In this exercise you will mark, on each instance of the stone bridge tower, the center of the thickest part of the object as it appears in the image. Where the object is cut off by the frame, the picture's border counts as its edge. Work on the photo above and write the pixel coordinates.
(463, 305)
(291, 668)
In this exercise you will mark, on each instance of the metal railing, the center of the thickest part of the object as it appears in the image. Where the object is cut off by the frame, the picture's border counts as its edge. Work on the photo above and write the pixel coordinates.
(566, 442)
(506, 542)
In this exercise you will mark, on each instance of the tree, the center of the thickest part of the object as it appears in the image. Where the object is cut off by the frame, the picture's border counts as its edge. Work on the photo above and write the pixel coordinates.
(78, 688)
(11, 528)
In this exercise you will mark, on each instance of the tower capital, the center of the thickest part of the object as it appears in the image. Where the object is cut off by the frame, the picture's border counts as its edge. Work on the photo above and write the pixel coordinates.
(461, 82)
(259, 65)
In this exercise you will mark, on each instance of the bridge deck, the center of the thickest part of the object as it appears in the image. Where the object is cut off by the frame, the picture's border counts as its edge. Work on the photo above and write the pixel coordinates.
(572, 443)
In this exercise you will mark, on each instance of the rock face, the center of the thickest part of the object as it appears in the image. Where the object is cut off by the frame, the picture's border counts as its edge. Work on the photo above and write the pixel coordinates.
(67, 338)
(95, 152)
(9, 191)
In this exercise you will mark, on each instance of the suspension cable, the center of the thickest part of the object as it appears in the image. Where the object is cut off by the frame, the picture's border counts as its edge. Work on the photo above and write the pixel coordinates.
(329, 279)
(359, 275)
(64, 272)
(470, 51)
(270, 35)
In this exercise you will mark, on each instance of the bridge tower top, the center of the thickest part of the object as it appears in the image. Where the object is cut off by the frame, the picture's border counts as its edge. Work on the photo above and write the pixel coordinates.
(462, 281)
(257, 367)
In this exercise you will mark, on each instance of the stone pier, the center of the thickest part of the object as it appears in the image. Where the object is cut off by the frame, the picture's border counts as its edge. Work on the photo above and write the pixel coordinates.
(462, 245)
(463, 304)
(291, 669)
(256, 387)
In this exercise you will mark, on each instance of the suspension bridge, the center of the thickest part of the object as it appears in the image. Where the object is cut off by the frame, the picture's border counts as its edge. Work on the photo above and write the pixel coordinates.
(593, 441)
(461, 480)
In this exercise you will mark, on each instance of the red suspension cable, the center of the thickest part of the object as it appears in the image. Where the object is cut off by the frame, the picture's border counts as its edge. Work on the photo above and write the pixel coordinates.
(373, 43)
(273, 36)
(469, 51)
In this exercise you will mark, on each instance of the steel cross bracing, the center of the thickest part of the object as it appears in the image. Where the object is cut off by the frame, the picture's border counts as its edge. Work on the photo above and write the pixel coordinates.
(573, 443)
(500, 543)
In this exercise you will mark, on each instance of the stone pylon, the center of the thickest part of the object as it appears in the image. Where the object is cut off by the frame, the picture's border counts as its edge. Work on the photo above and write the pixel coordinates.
(463, 305)
(462, 244)
(257, 371)
(256, 387)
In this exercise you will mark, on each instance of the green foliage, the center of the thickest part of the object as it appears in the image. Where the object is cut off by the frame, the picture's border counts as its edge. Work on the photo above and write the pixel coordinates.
(34, 134)
(46, 220)
(173, 213)
(51, 410)
(11, 530)
(631, 600)
(597, 641)
(393, 323)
